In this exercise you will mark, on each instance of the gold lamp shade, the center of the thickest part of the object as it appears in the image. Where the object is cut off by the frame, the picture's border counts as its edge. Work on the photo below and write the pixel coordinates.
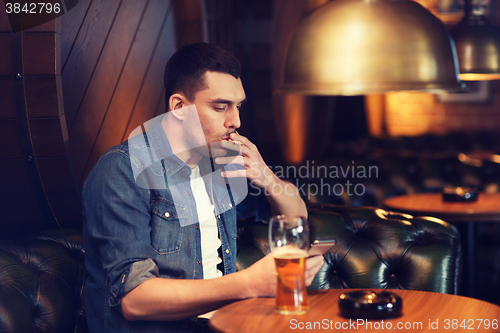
(478, 48)
(356, 47)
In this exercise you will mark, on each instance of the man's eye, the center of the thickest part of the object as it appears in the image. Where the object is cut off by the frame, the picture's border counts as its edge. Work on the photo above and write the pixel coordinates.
(223, 108)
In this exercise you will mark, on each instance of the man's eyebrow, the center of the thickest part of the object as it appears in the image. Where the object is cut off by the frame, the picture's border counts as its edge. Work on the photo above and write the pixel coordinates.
(226, 101)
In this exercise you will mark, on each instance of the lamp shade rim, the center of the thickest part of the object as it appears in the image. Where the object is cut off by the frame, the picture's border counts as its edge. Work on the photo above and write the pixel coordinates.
(355, 47)
(375, 88)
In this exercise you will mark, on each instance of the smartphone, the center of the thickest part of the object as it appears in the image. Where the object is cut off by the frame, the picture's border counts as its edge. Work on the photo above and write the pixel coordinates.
(319, 247)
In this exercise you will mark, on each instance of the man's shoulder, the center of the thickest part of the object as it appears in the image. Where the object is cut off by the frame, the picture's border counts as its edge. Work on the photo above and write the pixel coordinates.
(135, 149)
(120, 149)
(127, 154)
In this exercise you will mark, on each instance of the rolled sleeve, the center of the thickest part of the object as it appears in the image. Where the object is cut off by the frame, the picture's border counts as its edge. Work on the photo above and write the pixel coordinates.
(117, 232)
(140, 271)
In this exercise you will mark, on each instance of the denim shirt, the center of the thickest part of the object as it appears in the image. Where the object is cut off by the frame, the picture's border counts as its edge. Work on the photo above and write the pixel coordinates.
(140, 222)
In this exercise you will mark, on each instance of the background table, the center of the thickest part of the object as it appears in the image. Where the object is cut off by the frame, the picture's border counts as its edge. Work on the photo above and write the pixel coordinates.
(485, 209)
(420, 310)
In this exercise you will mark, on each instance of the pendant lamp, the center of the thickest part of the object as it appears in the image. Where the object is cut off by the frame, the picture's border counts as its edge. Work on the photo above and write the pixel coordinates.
(357, 47)
(478, 45)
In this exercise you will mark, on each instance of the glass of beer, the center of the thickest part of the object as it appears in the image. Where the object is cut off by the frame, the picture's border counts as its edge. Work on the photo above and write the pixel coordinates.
(289, 242)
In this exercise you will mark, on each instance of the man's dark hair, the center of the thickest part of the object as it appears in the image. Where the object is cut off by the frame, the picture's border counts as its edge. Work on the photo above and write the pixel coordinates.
(185, 70)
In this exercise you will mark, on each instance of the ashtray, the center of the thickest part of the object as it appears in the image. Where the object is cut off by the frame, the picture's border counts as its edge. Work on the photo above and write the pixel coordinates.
(368, 304)
(460, 194)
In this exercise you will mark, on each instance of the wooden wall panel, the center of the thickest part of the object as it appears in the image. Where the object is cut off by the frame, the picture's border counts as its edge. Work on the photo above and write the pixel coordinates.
(188, 22)
(71, 25)
(14, 176)
(20, 214)
(41, 53)
(152, 91)
(131, 81)
(295, 115)
(9, 134)
(161, 105)
(47, 137)
(97, 70)
(42, 98)
(56, 174)
(7, 108)
(4, 19)
(51, 24)
(68, 204)
(105, 79)
(79, 67)
(5, 55)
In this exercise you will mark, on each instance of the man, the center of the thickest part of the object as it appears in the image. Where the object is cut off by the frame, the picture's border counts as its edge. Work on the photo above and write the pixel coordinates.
(159, 209)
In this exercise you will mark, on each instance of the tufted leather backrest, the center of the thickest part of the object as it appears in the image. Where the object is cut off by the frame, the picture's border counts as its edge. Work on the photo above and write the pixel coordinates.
(42, 276)
(375, 249)
(41, 283)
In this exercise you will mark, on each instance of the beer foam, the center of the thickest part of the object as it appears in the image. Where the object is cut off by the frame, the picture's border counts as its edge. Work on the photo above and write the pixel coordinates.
(289, 252)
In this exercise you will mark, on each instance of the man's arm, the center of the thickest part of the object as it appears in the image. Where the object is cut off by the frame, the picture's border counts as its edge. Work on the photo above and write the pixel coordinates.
(170, 299)
(283, 197)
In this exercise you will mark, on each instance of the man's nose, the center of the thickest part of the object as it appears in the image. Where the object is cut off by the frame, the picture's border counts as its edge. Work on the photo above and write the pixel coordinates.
(233, 118)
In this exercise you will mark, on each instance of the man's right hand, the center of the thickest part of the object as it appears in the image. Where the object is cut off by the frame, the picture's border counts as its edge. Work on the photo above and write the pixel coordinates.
(261, 276)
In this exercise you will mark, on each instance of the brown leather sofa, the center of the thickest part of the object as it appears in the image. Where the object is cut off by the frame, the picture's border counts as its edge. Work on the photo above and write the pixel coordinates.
(41, 283)
(42, 275)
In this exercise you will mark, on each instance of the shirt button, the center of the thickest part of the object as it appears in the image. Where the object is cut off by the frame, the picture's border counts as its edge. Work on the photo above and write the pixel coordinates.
(167, 214)
(188, 193)
(227, 250)
(197, 227)
(198, 262)
(230, 205)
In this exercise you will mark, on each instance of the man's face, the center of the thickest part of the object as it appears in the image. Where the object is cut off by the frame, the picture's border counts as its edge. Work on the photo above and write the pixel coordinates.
(218, 110)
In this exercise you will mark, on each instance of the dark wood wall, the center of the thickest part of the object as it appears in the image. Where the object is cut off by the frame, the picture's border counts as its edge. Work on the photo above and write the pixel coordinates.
(36, 176)
(112, 55)
(89, 78)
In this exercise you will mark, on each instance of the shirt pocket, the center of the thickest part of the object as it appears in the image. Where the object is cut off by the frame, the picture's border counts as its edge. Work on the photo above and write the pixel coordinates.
(166, 231)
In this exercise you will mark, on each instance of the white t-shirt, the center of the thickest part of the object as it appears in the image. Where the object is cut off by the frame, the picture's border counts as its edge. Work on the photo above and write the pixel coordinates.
(210, 241)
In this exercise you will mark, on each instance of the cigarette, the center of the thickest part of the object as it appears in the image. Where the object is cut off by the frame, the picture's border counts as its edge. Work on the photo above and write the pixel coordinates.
(239, 143)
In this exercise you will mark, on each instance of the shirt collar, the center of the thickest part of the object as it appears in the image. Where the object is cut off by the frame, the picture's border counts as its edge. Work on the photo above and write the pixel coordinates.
(161, 146)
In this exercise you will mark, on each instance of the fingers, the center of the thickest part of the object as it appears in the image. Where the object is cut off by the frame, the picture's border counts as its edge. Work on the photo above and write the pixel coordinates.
(313, 265)
(256, 169)
(243, 140)
(314, 262)
(234, 173)
(231, 145)
(230, 160)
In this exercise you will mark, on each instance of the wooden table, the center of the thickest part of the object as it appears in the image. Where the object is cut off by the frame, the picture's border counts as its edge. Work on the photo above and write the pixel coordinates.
(485, 209)
(422, 312)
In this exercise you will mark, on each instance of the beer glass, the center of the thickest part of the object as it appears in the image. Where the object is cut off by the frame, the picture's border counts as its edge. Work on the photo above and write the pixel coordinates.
(289, 242)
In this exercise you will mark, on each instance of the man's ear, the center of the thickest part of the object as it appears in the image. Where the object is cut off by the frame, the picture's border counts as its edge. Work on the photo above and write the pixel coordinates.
(175, 104)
